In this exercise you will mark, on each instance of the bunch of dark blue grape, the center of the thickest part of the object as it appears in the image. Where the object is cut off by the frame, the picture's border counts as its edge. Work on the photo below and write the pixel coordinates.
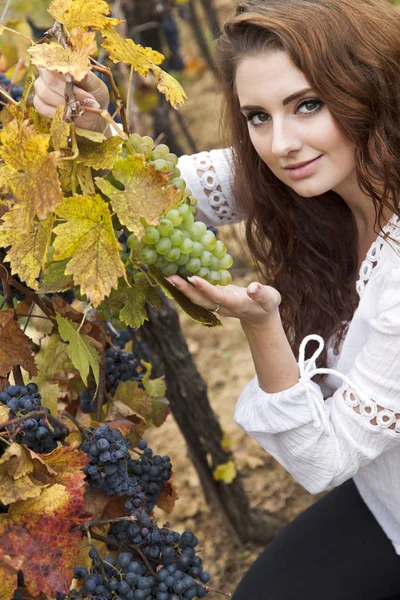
(173, 570)
(108, 452)
(14, 91)
(120, 366)
(39, 434)
(152, 472)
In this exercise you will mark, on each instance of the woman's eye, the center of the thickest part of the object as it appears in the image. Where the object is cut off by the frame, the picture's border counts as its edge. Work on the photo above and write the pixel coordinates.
(257, 118)
(311, 106)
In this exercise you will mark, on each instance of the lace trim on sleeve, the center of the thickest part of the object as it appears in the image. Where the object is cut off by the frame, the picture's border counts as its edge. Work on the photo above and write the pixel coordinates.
(352, 394)
(212, 188)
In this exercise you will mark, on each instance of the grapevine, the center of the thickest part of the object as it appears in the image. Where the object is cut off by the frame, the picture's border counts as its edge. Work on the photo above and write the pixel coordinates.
(91, 227)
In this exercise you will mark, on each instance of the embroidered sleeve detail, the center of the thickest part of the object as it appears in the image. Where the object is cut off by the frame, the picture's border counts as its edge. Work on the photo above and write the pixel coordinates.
(377, 415)
(352, 394)
(392, 230)
(212, 188)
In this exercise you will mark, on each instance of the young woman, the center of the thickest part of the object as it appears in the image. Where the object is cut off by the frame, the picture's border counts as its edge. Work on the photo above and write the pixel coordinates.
(312, 109)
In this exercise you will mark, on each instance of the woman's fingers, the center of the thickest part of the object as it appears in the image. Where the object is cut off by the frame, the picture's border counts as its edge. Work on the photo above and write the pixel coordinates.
(194, 292)
(48, 96)
(266, 296)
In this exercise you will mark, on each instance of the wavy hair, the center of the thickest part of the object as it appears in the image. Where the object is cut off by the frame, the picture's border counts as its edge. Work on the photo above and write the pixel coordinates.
(349, 51)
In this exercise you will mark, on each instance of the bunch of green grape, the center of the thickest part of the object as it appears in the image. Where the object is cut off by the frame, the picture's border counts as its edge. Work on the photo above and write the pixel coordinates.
(179, 244)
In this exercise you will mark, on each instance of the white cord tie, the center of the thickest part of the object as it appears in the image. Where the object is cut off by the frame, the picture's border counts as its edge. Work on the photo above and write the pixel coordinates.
(308, 371)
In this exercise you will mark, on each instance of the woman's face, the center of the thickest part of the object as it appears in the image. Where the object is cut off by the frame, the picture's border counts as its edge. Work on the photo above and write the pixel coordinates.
(291, 128)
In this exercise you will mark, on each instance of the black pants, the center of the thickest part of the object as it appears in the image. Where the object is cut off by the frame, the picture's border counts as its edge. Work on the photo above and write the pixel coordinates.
(335, 550)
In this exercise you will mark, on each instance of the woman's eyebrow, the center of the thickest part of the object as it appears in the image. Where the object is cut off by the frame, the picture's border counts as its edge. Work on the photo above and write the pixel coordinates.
(286, 100)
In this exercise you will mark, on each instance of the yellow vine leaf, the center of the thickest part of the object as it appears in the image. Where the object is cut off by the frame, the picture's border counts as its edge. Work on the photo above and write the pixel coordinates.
(82, 13)
(1, 27)
(32, 174)
(87, 237)
(144, 196)
(28, 253)
(126, 51)
(72, 61)
(170, 87)
(60, 129)
(226, 472)
(99, 155)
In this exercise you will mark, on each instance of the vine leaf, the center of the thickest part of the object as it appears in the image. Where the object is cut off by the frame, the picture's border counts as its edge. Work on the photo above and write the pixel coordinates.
(131, 301)
(226, 472)
(168, 497)
(144, 196)
(99, 155)
(60, 129)
(54, 278)
(15, 346)
(9, 567)
(31, 175)
(156, 389)
(34, 525)
(82, 13)
(73, 61)
(28, 253)
(197, 313)
(89, 240)
(23, 474)
(143, 60)
(51, 359)
(80, 350)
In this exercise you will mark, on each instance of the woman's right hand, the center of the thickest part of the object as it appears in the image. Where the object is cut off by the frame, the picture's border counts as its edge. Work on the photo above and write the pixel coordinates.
(91, 91)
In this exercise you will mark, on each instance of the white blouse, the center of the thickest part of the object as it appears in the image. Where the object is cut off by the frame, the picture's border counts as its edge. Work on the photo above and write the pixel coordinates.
(349, 426)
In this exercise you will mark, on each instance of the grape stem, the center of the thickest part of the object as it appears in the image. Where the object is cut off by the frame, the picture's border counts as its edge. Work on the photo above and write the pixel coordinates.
(96, 66)
(82, 429)
(34, 413)
(102, 374)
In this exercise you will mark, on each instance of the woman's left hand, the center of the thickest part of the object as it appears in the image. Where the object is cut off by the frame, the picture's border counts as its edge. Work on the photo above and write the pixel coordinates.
(251, 305)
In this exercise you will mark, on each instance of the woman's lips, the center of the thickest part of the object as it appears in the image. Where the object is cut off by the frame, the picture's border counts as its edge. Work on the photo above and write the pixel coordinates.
(304, 170)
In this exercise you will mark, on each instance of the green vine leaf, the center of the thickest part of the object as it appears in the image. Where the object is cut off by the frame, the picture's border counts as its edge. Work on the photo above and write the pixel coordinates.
(81, 352)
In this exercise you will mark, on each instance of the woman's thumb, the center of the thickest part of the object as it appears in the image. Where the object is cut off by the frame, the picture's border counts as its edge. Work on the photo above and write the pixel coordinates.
(266, 296)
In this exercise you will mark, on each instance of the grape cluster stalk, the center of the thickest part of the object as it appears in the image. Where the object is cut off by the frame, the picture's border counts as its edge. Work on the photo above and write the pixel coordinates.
(13, 90)
(40, 434)
(179, 244)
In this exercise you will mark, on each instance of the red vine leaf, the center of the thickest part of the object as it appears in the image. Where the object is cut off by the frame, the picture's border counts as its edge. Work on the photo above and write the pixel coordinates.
(9, 566)
(168, 497)
(15, 346)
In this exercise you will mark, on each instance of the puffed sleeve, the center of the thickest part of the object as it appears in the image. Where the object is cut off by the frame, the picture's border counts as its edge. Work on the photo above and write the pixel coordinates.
(209, 176)
(323, 443)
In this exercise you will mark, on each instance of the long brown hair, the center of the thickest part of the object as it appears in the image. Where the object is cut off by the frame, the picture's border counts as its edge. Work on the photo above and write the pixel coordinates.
(349, 51)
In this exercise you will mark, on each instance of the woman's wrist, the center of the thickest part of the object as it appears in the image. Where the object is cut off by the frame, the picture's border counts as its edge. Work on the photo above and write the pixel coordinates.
(261, 323)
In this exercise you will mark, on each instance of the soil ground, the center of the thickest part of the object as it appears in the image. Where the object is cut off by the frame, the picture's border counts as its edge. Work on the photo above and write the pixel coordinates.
(223, 358)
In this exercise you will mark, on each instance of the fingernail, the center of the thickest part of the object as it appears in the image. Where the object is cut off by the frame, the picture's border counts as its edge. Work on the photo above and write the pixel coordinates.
(192, 279)
(170, 281)
(253, 288)
(91, 102)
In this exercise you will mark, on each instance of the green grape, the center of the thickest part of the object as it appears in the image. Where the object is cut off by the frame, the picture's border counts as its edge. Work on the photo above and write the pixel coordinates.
(206, 258)
(226, 277)
(193, 265)
(148, 255)
(163, 245)
(226, 262)
(172, 158)
(177, 237)
(186, 234)
(134, 243)
(184, 272)
(186, 246)
(124, 256)
(184, 209)
(197, 230)
(209, 241)
(214, 277)
(171, 168)
(192, 200)
(187, 221)
(163, 148)
(136, 140)
(215, 266)
(165, 228)
(160, 164)
(160, 262)
(144, 149)
(155, 155)
(151, 236)
(195, 210)
(178, 182)
(169, 269)
(203, 272)
(173, 254)
(197, 250)
(176, 172)
(182, 260)
(146, 139)
(175, 216)
(220, 249)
